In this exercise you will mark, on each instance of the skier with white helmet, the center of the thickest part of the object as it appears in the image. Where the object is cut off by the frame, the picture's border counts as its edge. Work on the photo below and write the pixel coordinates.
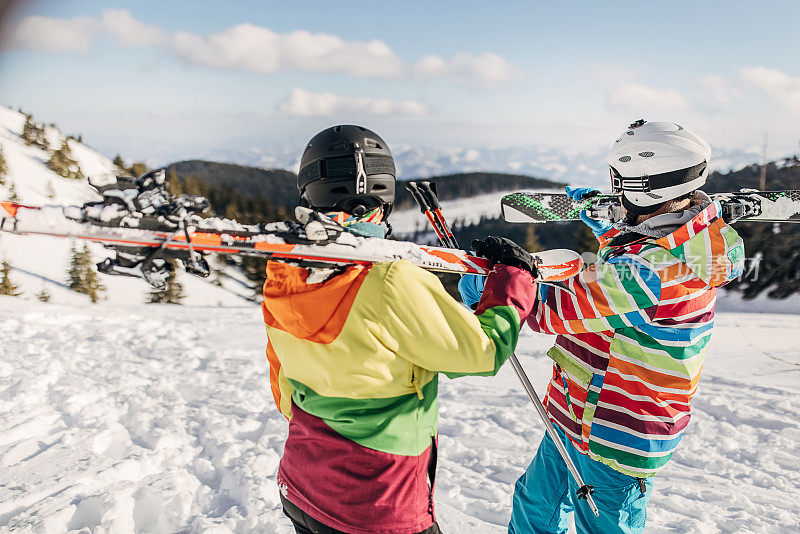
(631, 335)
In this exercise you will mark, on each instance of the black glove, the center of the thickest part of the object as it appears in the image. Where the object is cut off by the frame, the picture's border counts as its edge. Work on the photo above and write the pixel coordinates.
(503, 250)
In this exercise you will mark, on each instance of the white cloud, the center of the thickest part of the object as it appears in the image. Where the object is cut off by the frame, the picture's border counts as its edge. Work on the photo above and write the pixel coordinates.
(641, 99)
(488, 70)
(251, 48)
(722, 90)
(128, 31)
(302, 103)
(54, 35)
(256, 49)
(778, 85)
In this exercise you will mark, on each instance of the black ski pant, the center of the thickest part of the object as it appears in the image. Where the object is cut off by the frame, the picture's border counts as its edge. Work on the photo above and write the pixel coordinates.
(305, 524)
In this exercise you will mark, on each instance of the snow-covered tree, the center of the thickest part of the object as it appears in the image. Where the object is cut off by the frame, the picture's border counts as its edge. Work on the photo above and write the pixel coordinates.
(7, 287)
(3, 167)
(12, 193)
(172, 294)
(44, 295)
(218, 269)
(50, 191)
(62, 163)
(33, 133)
(82, 276)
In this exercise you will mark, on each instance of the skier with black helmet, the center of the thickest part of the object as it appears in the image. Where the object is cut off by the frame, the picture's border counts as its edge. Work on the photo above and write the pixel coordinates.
(631, 335)
(355, 353)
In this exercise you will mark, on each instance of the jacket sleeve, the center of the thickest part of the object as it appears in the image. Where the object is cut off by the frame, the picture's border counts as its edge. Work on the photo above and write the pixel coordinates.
(424, 325)
(279, 385)
(622, 291)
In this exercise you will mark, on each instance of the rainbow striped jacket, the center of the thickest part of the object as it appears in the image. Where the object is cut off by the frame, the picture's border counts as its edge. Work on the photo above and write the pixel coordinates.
(630, 343)
(354, 364)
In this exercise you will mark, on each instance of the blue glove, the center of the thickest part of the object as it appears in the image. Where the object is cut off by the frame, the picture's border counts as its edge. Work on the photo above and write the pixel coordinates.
(597, 226)
(471, 288)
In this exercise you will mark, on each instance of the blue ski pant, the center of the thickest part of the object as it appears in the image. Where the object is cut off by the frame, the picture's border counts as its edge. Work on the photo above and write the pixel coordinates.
(544, 495)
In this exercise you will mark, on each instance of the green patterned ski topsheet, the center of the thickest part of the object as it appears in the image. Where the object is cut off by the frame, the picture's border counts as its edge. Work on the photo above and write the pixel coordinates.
(531, 207)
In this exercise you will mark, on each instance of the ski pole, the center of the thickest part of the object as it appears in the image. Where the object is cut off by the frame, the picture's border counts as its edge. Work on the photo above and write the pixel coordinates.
(433, 201)
(425, 208)
(584, 490)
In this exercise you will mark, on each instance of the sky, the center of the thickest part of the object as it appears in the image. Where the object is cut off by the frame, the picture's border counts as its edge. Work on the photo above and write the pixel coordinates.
(159, 80)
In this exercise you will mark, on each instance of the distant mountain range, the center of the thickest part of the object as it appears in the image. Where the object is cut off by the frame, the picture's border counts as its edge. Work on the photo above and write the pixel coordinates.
(415, 162)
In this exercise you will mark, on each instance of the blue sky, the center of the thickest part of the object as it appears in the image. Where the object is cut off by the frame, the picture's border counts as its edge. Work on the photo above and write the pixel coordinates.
(154, 80)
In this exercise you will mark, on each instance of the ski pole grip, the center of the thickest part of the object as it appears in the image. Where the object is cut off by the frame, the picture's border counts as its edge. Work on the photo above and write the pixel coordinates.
(418, 197)
(430, 195)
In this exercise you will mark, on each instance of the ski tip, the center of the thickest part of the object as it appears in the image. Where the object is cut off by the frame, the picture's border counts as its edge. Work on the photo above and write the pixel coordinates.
(10, 208)
(513, 215)
(558, 264)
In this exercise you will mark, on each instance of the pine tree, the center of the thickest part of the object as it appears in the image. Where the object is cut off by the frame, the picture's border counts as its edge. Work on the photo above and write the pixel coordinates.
(62, 163)
(585, 241)
(82, 276)
(7, 287)
(33, 133)
(44, 295)
(220, 263)
(138, 169)
(27, 134)
(171, 294)
(119, 163)
(12, 193)
(532, 243)
(173, 183)
(3, 167)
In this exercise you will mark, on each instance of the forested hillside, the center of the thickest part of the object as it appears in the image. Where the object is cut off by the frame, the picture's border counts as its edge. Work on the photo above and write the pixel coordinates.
(773, 250)
(251, 194)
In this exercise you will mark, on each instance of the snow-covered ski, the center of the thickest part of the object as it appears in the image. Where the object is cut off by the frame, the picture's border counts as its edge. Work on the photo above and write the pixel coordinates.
(746, 205)
(286, 241)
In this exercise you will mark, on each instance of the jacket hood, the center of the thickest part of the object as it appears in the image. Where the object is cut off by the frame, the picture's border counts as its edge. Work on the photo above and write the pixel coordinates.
(706, 244)
(306, 310)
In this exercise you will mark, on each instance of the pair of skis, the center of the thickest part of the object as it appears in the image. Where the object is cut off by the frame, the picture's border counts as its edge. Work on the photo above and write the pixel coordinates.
(744, 205)
(146, 227)
(425, 196)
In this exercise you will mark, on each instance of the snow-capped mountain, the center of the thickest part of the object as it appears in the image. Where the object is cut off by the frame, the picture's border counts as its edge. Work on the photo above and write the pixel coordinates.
(587, 168)
(41, 263)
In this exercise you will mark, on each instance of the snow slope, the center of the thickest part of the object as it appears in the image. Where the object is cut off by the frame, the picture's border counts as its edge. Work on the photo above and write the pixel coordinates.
(159, 419)
(42, 262)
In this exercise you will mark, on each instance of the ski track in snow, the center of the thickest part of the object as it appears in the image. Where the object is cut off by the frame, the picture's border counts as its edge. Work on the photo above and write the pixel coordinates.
(159, 419)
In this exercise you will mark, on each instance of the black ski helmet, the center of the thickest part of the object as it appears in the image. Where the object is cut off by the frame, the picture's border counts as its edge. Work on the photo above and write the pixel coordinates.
(347, 168)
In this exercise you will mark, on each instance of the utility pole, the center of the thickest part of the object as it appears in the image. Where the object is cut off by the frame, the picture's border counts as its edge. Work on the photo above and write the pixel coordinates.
(763, 183)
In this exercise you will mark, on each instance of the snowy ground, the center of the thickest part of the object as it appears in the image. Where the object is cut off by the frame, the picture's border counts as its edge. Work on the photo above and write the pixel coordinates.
(120, 417)
(158, 419)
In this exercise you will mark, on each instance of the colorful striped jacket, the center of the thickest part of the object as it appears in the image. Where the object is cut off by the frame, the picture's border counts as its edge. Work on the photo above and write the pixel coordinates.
(354, 365)
(631, 341)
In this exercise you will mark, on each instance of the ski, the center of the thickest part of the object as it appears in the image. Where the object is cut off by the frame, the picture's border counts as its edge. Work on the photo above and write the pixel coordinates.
(141, 247)
(745, 205)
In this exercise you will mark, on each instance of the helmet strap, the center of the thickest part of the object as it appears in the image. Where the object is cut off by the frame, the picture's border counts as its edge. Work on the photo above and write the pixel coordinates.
(361, 173)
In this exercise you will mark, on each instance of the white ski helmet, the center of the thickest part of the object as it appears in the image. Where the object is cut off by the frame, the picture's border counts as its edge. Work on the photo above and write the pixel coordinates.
(654, 162)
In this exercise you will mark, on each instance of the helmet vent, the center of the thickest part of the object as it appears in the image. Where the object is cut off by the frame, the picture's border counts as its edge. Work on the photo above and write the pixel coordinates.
(337, 129)
(371, 143)
(625, 159)
(647, 154)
